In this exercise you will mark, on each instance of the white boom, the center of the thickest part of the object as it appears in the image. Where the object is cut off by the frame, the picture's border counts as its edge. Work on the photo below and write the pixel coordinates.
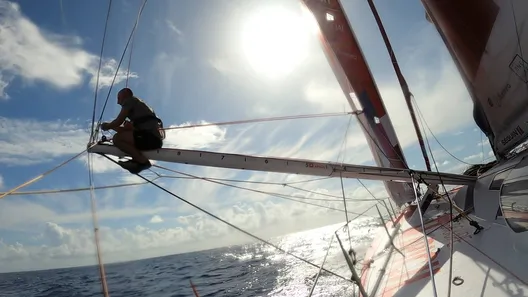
(287, 165)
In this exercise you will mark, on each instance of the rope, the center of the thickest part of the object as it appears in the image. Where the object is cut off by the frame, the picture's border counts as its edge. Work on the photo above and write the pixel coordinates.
(233, 226)
(333, 196)
(102, 274)
(270, 119)
(132, 49)
(322, 264)
(92, 138)
(39, 192)
(119, 65)
(92, 131)
(422, 119)
(344, 143)
(346, 214)
(282, 196)
(429, 260)
(450, 207)
(29, 182)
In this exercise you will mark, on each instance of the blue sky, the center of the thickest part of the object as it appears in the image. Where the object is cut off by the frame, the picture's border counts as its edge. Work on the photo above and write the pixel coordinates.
(194, 61)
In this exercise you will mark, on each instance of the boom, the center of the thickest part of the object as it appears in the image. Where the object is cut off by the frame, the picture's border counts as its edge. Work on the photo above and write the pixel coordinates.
(288, 165)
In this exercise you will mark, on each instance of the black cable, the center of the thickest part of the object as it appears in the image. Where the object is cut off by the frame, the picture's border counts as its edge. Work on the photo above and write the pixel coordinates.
(121, 61)
(432, 134)
(282, 196)
(231, 225)
(92, 132)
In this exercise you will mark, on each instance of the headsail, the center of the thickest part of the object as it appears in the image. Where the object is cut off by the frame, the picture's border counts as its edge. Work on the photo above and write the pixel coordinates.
(350, 67)
(487, 40)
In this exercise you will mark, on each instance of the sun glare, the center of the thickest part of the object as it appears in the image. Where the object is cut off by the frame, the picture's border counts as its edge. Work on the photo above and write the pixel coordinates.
(275, 41)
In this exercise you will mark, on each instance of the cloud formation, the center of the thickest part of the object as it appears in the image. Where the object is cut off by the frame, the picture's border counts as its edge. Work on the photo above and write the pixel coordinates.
(32, 54)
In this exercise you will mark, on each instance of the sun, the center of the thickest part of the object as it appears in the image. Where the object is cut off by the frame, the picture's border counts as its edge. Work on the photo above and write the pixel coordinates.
(275, 41)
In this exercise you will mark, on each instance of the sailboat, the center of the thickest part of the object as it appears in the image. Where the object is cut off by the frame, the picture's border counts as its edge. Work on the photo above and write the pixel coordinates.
(468, 241)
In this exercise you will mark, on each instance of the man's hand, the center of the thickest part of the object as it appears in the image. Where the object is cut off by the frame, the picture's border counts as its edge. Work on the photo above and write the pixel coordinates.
(128, 126)
(105, 126)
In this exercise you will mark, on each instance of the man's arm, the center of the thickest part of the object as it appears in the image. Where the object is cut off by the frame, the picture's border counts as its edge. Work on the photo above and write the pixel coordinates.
(115, 124)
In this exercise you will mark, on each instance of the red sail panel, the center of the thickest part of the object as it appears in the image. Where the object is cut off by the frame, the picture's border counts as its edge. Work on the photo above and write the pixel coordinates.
(486, 38)
(350, 67)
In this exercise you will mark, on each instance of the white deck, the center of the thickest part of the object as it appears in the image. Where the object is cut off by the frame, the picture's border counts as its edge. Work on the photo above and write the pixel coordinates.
(492, 263)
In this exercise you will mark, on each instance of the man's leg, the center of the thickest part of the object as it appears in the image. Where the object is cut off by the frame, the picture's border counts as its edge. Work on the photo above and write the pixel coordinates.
(124, 140)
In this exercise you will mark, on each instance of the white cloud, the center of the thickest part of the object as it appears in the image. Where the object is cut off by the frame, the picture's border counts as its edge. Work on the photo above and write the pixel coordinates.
(484, 142)
(32, 54)
(27, 141)
(194, 138)
(173, 28)
(101, 164)
(33, 142)
(63, 245)
(474, 158)
(156, 219)
(1, 182)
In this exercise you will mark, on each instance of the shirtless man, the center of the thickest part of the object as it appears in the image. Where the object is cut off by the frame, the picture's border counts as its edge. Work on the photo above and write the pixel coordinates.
(140, 133)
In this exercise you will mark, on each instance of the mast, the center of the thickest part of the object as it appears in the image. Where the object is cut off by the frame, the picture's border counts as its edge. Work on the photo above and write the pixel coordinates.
(350, 67)
(403, 83)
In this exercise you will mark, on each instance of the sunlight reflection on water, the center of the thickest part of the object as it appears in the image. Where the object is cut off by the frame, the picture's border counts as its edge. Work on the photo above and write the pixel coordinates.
(295, 278)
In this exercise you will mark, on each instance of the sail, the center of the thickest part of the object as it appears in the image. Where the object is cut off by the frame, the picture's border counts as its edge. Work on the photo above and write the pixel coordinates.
(353, 74)
(488, 40)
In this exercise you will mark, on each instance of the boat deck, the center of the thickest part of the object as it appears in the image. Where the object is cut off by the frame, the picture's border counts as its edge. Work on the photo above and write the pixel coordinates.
(491, 263)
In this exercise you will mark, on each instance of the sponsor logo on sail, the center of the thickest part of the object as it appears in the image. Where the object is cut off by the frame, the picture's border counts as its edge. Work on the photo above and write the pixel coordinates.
(500, 95)
(518, 131)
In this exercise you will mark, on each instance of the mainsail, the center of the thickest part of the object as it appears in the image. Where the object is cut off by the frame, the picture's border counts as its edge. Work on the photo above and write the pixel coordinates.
(350, 67)
(488, 39)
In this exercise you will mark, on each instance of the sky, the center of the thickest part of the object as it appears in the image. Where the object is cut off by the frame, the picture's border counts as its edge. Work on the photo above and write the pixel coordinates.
(200, 62)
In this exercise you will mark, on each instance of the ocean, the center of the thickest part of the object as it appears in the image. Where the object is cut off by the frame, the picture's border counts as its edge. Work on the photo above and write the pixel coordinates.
(255, 269)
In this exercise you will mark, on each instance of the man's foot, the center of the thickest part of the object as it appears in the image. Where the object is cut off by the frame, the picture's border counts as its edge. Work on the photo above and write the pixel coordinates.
(135, 167)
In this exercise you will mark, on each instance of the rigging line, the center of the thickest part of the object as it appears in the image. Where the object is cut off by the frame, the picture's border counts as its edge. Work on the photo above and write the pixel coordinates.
(49, 191)
(432, 134)
(330, 195)
(400, 158)
(278, 195)
(344, 143)
(429, 260)
(401, 79)
(92, 131)
(27, 183)
(131, 50)
(346, 213)
(232, 225)
(360, 215)
(102, 274)
(269, 119)
(120, 61)
(40, 192)
(450, 209)
(322, 264)
(380, 200)
(516, 29)
(258, 182)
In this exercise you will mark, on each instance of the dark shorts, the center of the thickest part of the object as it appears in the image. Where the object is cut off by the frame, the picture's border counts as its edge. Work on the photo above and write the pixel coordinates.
(146, 140)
